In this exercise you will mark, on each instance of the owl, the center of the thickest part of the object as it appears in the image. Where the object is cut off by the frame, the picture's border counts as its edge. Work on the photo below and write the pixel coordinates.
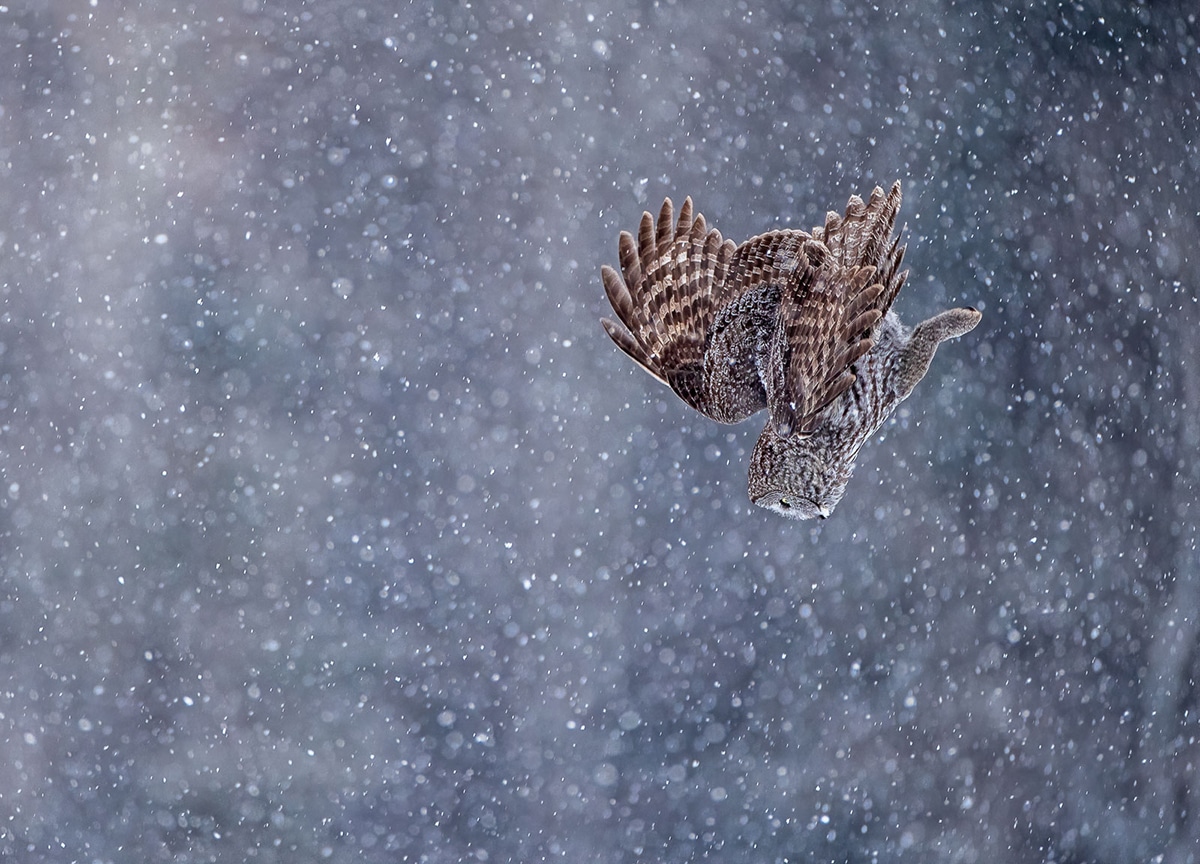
(799, 323)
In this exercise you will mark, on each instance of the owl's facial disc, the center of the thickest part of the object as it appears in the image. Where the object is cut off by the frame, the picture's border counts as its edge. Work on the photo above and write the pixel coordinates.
(796, 477)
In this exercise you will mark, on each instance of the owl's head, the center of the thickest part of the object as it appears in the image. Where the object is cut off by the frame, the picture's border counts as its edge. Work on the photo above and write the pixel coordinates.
(800, 477)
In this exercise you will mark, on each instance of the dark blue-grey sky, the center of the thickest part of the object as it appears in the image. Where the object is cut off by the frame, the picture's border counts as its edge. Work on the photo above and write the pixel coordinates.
(332, 526)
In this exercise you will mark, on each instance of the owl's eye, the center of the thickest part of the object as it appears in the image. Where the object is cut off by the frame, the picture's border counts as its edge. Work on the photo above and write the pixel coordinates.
(785, 503)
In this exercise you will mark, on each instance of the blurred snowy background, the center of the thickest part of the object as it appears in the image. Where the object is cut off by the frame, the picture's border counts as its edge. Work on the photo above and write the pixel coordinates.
(333, 527)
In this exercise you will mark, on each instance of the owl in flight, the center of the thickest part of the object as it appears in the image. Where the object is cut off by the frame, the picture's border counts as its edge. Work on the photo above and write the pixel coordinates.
(795, 322)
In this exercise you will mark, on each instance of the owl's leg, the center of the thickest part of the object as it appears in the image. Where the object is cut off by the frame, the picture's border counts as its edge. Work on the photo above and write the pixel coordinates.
(925, 339)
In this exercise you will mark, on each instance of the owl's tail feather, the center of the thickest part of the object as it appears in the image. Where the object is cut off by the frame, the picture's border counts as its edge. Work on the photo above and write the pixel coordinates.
(925, 339)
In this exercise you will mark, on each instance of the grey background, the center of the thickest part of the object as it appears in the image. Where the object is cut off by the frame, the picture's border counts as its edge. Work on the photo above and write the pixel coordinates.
(334, 528)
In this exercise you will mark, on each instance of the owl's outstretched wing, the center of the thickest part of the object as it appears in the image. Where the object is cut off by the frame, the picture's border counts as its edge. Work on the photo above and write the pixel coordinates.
(863, 237)
(835, 285)
(826, 316)
(673, 280)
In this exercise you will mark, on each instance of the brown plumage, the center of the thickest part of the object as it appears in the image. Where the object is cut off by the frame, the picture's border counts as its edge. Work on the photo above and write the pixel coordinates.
(799, 323)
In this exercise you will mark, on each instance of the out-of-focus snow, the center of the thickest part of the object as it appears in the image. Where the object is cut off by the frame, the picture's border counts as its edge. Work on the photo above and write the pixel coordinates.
(334, 528)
